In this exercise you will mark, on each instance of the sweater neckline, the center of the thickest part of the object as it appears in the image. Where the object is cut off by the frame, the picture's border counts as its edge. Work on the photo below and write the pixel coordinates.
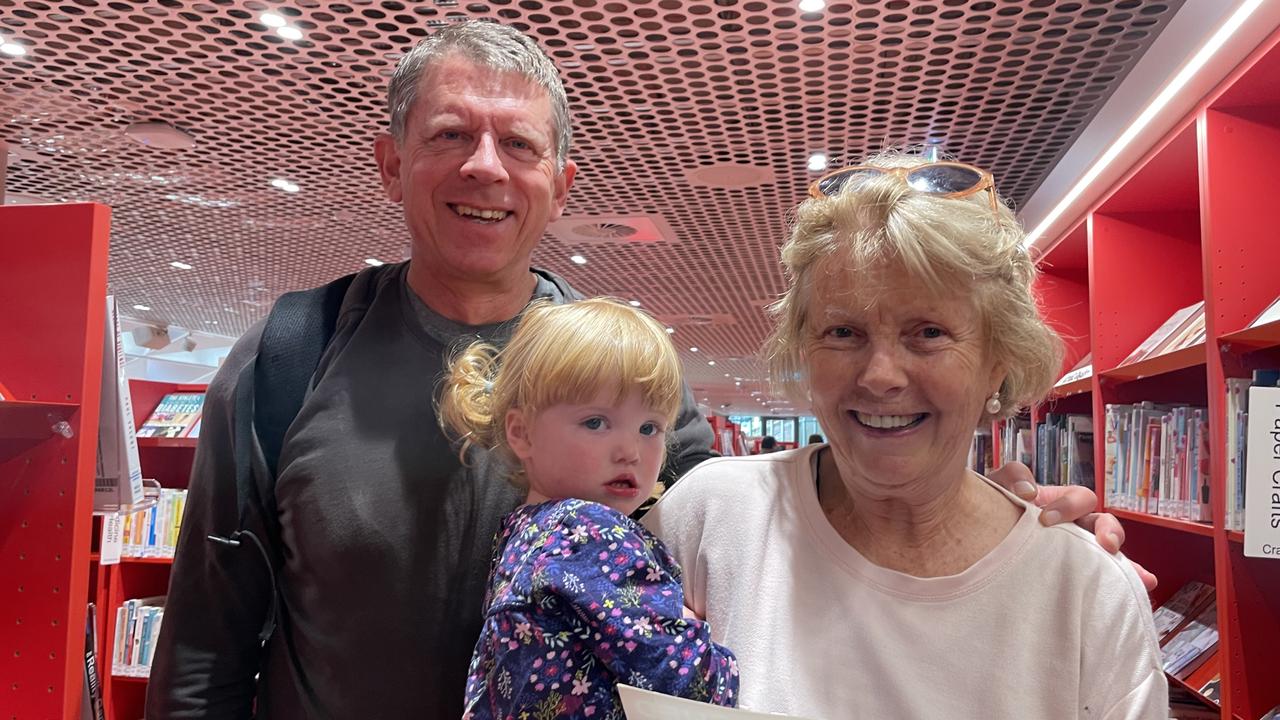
(900, 585)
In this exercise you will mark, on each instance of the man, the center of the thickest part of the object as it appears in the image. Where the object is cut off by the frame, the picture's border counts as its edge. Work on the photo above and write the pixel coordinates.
(385, 536)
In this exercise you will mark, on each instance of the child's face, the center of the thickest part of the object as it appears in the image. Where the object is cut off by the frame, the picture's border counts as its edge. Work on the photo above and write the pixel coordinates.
(599, 451)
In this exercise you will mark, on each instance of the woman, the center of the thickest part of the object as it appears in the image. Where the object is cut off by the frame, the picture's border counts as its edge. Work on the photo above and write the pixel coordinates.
(886, 580)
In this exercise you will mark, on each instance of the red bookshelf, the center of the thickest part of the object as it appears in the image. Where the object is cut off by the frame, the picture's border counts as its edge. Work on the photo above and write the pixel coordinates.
(1188, 223)
(53, 284)
(167, 460)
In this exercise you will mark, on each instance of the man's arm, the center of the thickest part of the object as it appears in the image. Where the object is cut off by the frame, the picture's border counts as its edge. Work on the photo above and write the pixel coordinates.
(208, 653)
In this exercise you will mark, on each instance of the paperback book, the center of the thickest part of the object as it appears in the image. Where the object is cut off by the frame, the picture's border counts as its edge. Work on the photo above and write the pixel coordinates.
(177, 416)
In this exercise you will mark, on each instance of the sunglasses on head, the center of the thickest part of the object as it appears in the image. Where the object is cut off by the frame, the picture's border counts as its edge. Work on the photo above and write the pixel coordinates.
(948, 179)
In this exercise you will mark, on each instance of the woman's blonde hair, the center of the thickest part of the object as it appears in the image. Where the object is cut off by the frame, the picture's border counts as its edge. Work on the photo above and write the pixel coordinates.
(947, 244)
(559, 354)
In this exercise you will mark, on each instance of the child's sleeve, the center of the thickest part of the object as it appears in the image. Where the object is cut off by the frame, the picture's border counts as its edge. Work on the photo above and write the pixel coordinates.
(612, 578)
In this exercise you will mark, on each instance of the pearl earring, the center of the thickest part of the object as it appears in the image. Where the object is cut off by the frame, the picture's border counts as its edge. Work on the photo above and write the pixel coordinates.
(993, 403)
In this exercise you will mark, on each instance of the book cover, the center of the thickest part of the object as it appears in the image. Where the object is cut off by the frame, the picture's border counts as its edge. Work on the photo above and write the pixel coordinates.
(1262, 474)
(91, 707)
(649, 705)
(1175, 322)
(175, 416)
(1270, 313)
(1191, 332)
(118, 480)
(1186, 603)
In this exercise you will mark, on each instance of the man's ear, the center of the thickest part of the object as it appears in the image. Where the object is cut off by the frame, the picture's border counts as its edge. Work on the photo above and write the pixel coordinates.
(518, 433)
(563, 182)
(387, 154)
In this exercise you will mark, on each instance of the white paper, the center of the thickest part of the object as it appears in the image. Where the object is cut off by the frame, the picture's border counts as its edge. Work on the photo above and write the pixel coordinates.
(648, 705)
(112, 539)
(1262, 475)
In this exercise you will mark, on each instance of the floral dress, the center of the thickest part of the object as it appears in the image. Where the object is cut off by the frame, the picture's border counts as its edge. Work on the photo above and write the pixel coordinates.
(580, 598)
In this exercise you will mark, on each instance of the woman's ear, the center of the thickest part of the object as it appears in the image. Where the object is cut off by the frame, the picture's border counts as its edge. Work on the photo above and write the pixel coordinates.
(517, 427)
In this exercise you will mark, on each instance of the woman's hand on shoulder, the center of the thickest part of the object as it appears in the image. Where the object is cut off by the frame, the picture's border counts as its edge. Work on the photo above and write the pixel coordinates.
(1071, 503)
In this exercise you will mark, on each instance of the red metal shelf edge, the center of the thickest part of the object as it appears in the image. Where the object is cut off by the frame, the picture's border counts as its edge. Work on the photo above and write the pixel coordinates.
(129, 678)
(128, 559)
(1164, 522)
(1235, 536)
(1258, 338)
(1159, 365)
(159, 442)
(1075, 387)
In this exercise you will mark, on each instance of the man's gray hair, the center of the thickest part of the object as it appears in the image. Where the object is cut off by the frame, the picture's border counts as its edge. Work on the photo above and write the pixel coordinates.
(488, 44)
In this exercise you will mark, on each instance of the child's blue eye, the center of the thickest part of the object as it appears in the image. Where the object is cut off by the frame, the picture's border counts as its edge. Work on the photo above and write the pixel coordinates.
(593, 423)
(650, 429)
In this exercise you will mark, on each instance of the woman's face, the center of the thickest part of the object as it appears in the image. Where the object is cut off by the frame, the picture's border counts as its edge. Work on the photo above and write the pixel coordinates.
(898, 377)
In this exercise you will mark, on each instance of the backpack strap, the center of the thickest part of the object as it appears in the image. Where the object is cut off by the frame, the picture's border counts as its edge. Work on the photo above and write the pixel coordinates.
(269, 394)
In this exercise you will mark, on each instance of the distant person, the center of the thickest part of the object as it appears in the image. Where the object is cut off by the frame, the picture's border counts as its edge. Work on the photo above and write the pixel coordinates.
(876, 576)
(768, 444)
(580, 597)
(815, 439)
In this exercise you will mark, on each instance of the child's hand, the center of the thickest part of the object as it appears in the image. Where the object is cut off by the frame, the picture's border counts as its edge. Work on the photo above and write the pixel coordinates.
(690, 614)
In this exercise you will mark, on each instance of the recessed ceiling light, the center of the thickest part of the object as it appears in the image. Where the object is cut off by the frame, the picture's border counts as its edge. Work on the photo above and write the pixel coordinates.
(289, 32)
(210, 322)
(12, 48)
(180, 265)
(578, 259)
(818, 162)
(285, 185)
(374, 262)
(726, 374)
(671, 331)
(635, 303)
(271, 19)
(711, 363)
(693, 349)
(141, 307)
(812, 5)
(160, 134)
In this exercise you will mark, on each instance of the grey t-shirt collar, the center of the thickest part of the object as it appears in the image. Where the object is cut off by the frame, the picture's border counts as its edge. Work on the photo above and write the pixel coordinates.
(447, 332)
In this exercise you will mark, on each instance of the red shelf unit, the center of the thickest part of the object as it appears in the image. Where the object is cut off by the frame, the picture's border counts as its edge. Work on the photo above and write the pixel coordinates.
(1188, 223)
(167, 460)
(53, 284)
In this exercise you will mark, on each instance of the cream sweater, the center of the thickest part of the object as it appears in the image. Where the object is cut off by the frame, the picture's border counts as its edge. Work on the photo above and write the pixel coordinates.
(1047, 625)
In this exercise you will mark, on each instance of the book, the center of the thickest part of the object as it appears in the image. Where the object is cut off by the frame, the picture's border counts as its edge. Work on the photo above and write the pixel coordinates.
(1272, 714)
(1193, 645)
(1269, 314)
(118, 478)
(1262, 470)
(1081, 370)
(176, 416)
(1212, 690)
(1192, 332)
(5, 394)
(1176, 323)
(1186, 603)
(649, 705)
(91, 707)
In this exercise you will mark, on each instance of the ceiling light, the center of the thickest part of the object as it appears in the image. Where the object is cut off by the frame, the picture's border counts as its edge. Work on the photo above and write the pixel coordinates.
(812, 5)
(288, 32)
(285, 185)
(726, 374)
(1175, 85)
(671, 331)
(711, 363)
(141, 307)
(374, 262)
(271, 19)
(180, 265)
(635, 303)
(12, 48)
(159, 134)
(817, 162)
(693, 349)
(578, 259)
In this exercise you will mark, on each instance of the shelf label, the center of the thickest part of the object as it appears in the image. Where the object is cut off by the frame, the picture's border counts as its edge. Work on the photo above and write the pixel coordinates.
(1262, 475)
(112, 539)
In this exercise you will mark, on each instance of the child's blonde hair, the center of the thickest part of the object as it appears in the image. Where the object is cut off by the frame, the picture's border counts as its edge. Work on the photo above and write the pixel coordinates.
(559, 354)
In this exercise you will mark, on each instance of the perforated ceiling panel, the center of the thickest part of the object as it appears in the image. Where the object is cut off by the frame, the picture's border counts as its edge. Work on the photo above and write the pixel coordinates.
(696, 118)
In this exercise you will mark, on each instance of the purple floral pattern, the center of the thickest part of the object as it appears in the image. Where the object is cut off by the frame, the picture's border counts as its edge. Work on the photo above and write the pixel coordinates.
(581, 598)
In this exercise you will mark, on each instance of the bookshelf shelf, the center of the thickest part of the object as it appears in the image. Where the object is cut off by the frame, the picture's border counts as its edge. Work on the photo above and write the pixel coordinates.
(1164, 522)
(130, 560)
(157, 442)
(1235, 536)
(1250, 339)
(142, 680)
(26, 420)
(1182, 359)
(1083, 385)
(1195, 692)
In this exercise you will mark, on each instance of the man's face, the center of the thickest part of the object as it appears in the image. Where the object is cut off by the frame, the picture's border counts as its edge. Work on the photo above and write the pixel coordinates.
(476, 172)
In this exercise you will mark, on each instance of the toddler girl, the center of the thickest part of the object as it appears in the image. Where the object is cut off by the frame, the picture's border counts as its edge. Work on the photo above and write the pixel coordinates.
(580, 597)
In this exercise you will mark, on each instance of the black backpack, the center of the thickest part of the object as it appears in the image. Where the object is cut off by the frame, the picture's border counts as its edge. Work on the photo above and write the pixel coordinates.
(297, 331)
